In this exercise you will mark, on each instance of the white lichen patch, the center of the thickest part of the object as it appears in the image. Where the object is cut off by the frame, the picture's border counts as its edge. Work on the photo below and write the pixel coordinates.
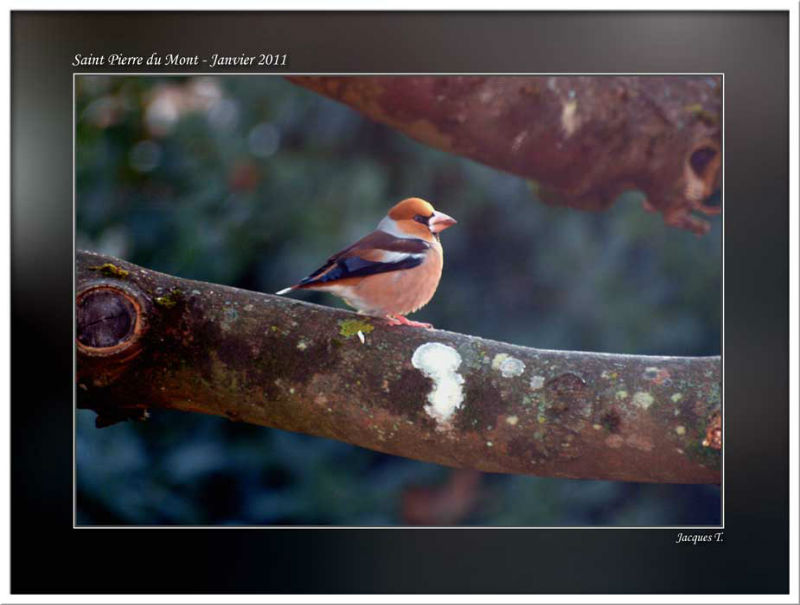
(642, 399)
(537, 382)
(440, 363)
(498, 360)
(676, 397)
(517, 142)
(302, 345)
(681, 430)
(570, 121)
(621, 395)
(640, 442)
(650, 373)
(508, 366)
(512, 420)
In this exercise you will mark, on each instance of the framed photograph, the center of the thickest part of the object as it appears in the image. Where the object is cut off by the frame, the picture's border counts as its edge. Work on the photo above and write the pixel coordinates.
(456, 306)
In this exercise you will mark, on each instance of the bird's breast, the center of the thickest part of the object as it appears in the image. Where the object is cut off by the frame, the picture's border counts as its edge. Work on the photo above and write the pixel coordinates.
(404, 291)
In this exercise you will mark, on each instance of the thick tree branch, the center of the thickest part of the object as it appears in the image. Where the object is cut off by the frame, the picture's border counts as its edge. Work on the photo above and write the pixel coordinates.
(149, 340)
(582, 139)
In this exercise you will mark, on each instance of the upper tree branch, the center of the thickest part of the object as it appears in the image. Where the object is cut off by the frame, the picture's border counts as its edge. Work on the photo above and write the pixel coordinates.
(582, 139)
(146, 339)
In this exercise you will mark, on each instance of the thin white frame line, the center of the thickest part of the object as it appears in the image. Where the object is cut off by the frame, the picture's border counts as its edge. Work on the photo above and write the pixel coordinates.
(354, 74)
(722, 311)
(74, 324)
(720, 527)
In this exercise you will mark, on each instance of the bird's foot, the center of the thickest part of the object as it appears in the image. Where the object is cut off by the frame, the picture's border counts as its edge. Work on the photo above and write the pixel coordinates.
(399, 320)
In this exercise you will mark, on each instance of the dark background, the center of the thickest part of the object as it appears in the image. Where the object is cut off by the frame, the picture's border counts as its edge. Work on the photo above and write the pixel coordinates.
(756, 244)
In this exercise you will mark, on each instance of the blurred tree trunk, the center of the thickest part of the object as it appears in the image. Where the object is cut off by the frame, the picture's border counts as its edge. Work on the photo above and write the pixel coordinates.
(582, 140)
(149, 340)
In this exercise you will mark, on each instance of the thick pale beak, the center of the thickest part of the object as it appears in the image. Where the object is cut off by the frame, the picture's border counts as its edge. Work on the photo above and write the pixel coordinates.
(440, 221)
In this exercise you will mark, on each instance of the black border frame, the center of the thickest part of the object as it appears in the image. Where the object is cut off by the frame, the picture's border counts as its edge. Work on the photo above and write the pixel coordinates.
(751, 49)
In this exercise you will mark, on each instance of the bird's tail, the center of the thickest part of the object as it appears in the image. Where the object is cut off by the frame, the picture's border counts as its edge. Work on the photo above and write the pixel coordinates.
(285, 290)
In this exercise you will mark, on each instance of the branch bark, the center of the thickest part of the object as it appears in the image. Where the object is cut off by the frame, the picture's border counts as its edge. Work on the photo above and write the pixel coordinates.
(582, 139)
(149, 340)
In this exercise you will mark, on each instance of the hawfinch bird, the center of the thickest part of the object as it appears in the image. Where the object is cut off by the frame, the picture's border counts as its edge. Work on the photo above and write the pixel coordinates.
(392, 271)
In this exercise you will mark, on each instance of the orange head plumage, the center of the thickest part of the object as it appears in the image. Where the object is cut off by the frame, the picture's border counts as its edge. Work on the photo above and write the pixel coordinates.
(414, 216)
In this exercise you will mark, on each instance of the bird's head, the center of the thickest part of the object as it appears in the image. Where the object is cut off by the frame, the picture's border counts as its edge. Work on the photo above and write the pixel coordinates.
(414, 217)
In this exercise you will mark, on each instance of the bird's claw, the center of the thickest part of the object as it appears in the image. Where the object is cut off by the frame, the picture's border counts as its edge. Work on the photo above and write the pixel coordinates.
(399, 320)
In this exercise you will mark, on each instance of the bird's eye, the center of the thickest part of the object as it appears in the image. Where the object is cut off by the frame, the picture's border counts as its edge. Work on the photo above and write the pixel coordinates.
(422, 219)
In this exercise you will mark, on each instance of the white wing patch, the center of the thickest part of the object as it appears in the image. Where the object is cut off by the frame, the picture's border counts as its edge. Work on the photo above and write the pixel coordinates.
(396, 257)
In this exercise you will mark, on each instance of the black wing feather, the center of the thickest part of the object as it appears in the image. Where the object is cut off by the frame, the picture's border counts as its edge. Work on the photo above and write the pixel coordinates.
(354, 266)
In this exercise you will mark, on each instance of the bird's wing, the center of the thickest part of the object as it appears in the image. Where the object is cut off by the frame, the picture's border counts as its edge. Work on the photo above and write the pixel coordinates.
(378, 252)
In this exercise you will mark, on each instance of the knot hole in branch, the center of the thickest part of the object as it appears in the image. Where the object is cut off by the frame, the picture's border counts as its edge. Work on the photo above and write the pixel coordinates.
(702, 175)
(109, 320)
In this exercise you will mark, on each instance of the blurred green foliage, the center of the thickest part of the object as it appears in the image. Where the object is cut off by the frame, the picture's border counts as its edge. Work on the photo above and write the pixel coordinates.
(251, 182)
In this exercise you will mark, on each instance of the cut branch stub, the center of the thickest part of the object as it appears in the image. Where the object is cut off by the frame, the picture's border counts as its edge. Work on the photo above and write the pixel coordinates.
(437, 396)
(109, 321)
